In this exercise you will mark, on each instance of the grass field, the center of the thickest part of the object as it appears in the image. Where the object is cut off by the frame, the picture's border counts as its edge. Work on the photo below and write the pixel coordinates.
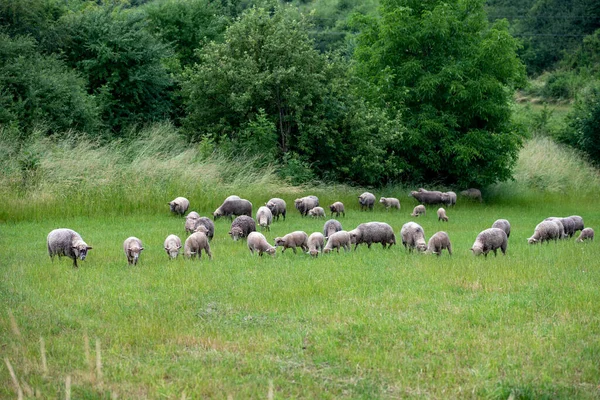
(365, 324)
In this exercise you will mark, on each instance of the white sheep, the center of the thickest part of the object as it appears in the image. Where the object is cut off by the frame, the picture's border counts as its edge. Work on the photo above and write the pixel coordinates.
(132, 247)
(545, 231)
(293, 240)
(441, 213)
(390, 202)
(264, 217)
(439, 242)
(586, 234)
(418, 210)
(67, 242)
(317, 212)
(337, 240)
(413, 237)
(197, 242)
(504, 225)
(172, 245)
(179, 205)
(488, 240)
(258, 242)
(316, 242)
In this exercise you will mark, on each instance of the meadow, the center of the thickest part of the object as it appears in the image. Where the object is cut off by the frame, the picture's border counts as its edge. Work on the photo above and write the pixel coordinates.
(369, 323)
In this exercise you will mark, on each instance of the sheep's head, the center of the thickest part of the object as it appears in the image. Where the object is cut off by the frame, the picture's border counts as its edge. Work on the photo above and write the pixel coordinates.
(236, 233)
(314, 252)
(173, 250)
(173, 205)
(477, 248)
(421, 245)
(80, 249)
(354, 235)
(133, 252)
(532, 240)
(279, 241)
(201, 228)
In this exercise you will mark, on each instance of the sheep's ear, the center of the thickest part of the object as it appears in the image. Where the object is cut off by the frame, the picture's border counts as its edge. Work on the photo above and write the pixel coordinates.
(471, 249)
(179, 246)
(141, 248)
(166, 249)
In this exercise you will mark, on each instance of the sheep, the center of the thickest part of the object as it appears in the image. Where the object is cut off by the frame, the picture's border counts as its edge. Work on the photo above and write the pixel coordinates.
(337, 208)
(587, 233)
(413, 237)
(231, 207)
(293, 240)
(441, 213)
(179, 205)
(449, 198)
(439, 242)
(258, 242)
(578, 222)
(332, 226)
(561, 226)
(390, 202)
(264, 217)
(208, 224)
(67, 242)
(190, 222)
(504, 225)
(568, 224)
(472, 193)
(427, 197)
(172, 245)
(194, 220)
(316, 242)
(195, 243)
(418, 210)
(366, 201)
(317, 212)
(241, 227)
(488, 240)
(132, 247)
(545, 231)
(277, 207)
(373, 232)
(304, 204)
(337, 240)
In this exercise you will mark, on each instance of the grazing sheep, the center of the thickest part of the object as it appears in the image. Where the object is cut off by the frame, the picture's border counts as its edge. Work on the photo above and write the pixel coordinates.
(132, 247)
(586, 234)
(439, 242)
(67, 242)
(208, 224)
(316, 242)
(337, 208)
(293, 240)
(413, 237)
(418, 210)
(545, 231)
(179, 205)
(332, 226)
(427, 197)
(277, 207)
(194, 220)
(337, 240)
(195, 243)
(441, 213)
(241, 227)
(191, 221)
(172, 246)
(449, 198)
(373, 232)
(561, 226)
(490, 239)
(504, 225)
(578, 221)
(233, 207)
(317, 212)
(390, 202)
(366, 200)
(304, 204)
(264, 217)
(258, 242)
(472, 193)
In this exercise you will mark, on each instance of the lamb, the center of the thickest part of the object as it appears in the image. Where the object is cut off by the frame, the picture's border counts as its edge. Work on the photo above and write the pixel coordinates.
(439, 242)
(264, 217)
(413, 237)
(258, 242)
(545, 231)
(172, 246)
(317, 212)
(195, 243)
(332, 226)
(179, 205)
(337, 240)
(472, 193)
(293, 240)
(578, 222)
(561, 226)
(337, 208)
(418, 210)
(504, 225)
(304, 204)
(366, 200)
(373, 232)
(449, 198)
(316, 242)
(390, 202)
(132, 247)
(190, 222)
(441, 213)
(490, 239)
(587, 233)
(277, 207)
(67, 242)
(427, 197)
(241, 227)
(231, 207)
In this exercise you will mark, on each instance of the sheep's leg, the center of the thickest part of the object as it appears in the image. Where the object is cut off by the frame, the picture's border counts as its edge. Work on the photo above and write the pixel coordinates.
(450, 249)
(75, 263)
(294, 248)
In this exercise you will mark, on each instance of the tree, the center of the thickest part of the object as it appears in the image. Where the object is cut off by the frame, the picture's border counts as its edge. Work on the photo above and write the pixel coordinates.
(451, 75)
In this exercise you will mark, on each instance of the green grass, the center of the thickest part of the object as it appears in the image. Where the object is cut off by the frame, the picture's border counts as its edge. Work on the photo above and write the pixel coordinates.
(365, 324)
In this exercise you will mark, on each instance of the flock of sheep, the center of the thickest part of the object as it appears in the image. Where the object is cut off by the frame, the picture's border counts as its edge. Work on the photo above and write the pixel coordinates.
(66, 242)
